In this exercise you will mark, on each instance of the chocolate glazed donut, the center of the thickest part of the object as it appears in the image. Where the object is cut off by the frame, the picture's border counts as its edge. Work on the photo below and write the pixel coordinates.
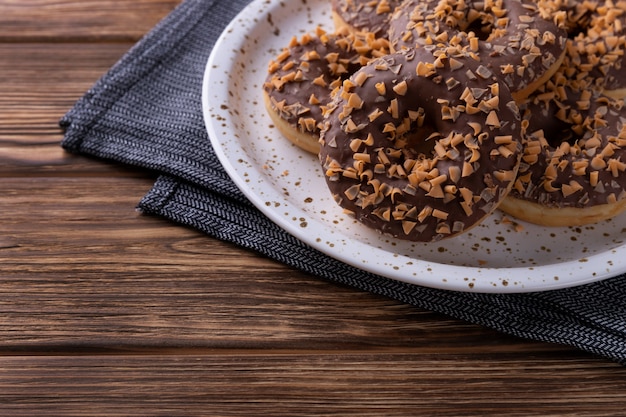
(516, 39)
(573, 170)
(421, 144)
(303, 75)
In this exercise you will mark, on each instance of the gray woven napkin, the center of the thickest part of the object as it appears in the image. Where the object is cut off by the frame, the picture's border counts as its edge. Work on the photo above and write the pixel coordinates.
(146, 112)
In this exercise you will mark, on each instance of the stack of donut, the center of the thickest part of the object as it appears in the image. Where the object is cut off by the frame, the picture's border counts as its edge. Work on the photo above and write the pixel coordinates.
(427, 115)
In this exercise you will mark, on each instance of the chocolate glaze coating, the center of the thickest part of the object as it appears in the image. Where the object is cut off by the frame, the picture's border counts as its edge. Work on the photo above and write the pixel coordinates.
(574, 153)
(515, 39)
(597, 48)
(301, 78)
(366, 15)
(421, 144)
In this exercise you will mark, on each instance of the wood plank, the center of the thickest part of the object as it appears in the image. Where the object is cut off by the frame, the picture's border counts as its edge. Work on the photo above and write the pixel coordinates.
(31, 105)
(51, 160)
(41, 82)
(87, 20)
(82, 269)
(239, 383)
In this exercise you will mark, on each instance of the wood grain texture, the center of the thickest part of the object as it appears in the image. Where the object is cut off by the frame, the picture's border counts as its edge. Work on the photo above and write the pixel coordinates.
(40, 83)
(93, 266)
(84, 21)
(301, 383)
(106, 311)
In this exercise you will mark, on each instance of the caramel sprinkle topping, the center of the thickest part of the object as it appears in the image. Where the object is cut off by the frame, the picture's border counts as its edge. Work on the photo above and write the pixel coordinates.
(302, 76)
(414, 161)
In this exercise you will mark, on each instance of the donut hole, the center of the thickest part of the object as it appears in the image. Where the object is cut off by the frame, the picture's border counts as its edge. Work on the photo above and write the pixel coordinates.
(580, 20)
(553, 130)
(418, 142)
(482, 29)
(557, 136)
(576, 31)
(557, 132)
(469, 23)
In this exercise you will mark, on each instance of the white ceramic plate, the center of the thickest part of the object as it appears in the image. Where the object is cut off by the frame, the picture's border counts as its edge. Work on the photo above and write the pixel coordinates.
(287, 185)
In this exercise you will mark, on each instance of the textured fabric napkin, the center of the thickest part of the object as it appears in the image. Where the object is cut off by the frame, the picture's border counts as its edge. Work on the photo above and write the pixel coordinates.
(146, 112)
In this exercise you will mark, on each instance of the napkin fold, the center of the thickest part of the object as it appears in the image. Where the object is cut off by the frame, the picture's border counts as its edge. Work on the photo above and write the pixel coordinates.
(146, 112)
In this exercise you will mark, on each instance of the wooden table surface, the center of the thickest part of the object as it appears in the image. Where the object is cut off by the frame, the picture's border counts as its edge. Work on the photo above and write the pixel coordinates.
(104, 311)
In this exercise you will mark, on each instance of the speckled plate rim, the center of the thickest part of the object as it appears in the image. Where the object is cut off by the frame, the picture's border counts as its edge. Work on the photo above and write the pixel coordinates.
(258, 24)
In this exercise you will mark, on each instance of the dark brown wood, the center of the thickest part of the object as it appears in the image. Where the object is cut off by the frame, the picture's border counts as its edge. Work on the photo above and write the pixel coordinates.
(106, 311)
(233, 383)
(81, 21)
